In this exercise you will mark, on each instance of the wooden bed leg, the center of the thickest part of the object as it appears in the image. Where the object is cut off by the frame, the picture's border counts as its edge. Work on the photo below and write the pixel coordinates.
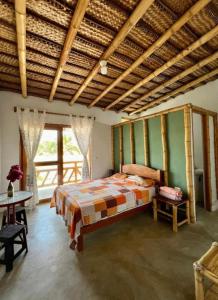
(80, 243)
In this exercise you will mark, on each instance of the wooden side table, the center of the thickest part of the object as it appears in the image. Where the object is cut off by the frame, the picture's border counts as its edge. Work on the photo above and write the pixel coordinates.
(158, 200)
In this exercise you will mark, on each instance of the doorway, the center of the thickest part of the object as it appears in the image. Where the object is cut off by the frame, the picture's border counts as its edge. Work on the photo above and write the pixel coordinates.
(58, 160)
(205, 157)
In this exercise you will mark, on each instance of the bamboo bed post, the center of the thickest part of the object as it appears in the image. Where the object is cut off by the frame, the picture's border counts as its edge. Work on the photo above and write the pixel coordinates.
(189, 161)
(20, 9)
(164, 148)
(145, 131)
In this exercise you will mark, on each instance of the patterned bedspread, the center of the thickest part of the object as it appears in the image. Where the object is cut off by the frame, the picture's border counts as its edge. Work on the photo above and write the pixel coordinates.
(89, 202)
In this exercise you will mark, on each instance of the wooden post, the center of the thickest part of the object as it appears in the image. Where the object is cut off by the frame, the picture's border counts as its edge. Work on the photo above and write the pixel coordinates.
(207, 165)
(121, 146)
(189, 161)
(112, 147)
(20, 9)
(215, 124)
(145, 128)
(164, 148)
(71, 34)
(132, 143)
(199, 288)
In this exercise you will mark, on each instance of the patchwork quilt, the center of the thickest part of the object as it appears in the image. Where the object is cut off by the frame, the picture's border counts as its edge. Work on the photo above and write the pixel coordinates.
(91, 201)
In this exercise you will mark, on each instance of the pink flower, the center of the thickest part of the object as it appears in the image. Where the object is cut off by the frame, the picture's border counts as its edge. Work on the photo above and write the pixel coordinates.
(15, 173)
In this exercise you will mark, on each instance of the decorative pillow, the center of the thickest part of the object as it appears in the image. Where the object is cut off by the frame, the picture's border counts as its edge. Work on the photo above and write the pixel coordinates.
(119, 176)
(142, 181)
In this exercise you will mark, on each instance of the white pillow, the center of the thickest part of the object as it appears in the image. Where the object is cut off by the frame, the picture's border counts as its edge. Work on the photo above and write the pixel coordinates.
(141, 181)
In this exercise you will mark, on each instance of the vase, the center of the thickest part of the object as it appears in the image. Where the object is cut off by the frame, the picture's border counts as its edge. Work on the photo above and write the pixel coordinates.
(10, 189)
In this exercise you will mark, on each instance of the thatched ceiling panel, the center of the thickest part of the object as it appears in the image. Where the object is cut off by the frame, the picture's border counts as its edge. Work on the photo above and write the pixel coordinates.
(47, 26)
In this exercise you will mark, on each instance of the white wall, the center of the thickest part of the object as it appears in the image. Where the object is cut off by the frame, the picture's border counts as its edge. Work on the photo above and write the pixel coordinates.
(205, 96)
(9, 133)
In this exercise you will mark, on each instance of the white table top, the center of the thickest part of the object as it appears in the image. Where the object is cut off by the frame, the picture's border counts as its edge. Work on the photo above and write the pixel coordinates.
(17, 198)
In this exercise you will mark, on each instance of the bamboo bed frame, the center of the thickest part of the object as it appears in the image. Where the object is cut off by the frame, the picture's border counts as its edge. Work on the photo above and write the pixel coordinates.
(131, 169)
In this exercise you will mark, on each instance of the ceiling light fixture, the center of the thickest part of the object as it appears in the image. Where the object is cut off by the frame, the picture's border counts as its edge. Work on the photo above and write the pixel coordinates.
(103, 64)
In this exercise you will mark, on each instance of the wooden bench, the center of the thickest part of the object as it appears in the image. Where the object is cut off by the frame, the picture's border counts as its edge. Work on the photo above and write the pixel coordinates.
(8, 238)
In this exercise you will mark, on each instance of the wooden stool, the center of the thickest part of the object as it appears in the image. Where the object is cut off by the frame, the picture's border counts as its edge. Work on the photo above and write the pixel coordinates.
(20, 217)
(8, 235)
(158, 200)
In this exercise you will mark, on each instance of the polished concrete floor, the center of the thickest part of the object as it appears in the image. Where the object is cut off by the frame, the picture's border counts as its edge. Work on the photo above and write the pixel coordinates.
(133, 259)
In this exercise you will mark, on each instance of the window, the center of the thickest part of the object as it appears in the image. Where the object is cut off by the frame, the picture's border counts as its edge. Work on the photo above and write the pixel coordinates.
(58, 160)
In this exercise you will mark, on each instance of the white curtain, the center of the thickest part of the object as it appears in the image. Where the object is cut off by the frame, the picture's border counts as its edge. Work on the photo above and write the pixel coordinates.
(31, 126)
(82, 129)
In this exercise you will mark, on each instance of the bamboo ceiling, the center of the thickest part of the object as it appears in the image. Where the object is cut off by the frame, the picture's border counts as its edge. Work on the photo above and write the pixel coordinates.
(155, 50)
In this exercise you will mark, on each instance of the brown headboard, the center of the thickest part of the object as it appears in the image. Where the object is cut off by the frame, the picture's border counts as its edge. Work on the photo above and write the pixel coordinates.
(143, 171)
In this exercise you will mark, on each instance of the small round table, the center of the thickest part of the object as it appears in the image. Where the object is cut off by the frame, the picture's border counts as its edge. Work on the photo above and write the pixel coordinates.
(10, 202)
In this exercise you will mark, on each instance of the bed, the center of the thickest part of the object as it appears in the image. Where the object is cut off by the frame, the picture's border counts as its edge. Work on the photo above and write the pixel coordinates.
(93, 204)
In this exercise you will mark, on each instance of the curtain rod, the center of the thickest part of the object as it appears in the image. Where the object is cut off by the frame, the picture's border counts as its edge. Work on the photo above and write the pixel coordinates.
(53, 113)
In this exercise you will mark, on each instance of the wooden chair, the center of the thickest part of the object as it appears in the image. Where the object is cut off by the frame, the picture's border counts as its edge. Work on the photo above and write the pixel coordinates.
(11, 235)
(20, 217)
(207, 267)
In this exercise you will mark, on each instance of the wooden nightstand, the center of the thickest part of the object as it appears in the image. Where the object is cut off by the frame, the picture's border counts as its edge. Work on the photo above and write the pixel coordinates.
(159, 201)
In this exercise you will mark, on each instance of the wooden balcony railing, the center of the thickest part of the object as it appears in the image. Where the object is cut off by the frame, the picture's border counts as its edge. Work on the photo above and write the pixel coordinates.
(48, 176)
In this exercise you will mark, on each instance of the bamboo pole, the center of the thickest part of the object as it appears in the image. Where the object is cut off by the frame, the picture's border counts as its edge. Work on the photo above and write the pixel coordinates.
(215, 124)
(112, 147)
(145, 129)
(176, 91)
(174, 79)
(132, 143)
(156, 45)
(204, 39)
(189, 162)
(130, 23)
(121, 146)
(164, 148)
(20, 11)
(71, 34)
(201, 111)
(166, 111)
(207, 164)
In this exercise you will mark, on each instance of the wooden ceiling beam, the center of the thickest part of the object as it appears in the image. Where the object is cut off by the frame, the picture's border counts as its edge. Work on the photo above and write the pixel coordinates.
(156, 45)
(20, 12)
(204, 39)
(71, 34)
(121, 35)
(174, 79)
(181, 89)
